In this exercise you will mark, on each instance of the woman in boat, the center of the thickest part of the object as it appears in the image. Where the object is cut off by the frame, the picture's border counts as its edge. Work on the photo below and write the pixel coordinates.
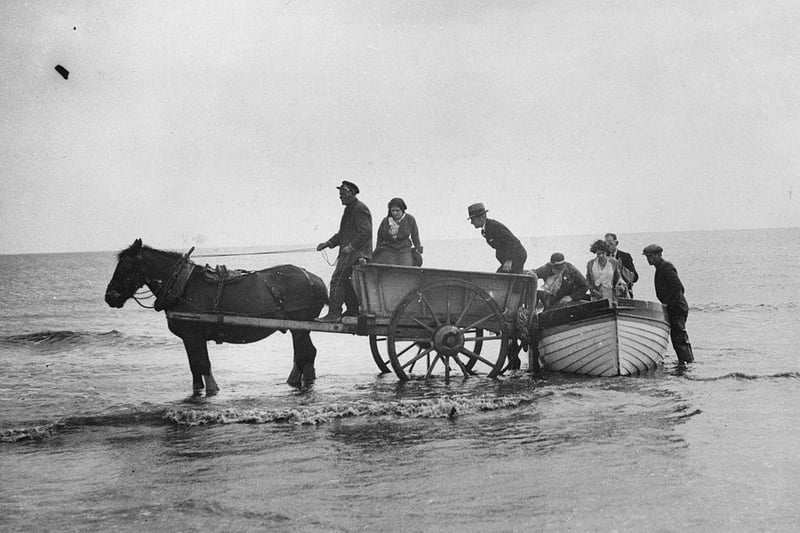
(398, 237)
(602, 272)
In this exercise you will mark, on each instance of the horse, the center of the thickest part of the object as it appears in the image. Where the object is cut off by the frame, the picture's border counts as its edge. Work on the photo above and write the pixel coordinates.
(284, 292)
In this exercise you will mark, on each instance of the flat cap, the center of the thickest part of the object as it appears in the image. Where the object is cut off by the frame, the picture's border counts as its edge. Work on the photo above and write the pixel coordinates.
(557, 259)
(652, 249)
(349, 185)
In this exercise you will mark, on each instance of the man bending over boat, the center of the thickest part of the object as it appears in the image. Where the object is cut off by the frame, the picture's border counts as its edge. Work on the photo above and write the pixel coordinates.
(669, 291)
(563, 283)
(508, 250)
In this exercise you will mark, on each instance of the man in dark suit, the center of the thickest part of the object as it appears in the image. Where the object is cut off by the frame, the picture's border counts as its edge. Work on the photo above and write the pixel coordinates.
(627, 268)
(508, 250)
(354, 240)
(669, 290)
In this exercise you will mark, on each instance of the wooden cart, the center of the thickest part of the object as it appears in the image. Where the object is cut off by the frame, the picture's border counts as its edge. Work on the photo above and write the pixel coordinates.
(423, 321)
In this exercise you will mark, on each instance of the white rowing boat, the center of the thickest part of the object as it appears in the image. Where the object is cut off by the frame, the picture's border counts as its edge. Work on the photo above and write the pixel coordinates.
(603, 338)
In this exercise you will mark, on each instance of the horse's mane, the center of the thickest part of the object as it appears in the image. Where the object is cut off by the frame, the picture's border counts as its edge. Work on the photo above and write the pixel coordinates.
(144, 248)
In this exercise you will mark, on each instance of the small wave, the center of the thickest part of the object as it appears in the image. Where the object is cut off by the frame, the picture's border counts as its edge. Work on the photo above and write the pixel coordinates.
(747, 377)
(33, 433)
(425, 408)
(55, 337)
(45, 430)
(69, 338)
(312, 415)
(714, 307)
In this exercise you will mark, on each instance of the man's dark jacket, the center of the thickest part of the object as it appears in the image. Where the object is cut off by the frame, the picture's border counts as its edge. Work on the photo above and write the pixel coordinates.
(506, 245)
(355, 229)
(573, 283)
(669, 288)
(625, 259)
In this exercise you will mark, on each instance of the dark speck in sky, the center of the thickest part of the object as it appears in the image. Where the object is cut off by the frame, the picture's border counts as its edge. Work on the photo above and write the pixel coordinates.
(61, 70)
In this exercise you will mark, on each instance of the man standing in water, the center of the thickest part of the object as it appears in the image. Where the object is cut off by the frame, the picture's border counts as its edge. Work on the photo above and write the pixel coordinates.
(354, 240)
(669, 291)
(508, 250)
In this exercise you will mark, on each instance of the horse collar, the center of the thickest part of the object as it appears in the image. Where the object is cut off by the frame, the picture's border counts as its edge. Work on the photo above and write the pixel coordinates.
(172, 289)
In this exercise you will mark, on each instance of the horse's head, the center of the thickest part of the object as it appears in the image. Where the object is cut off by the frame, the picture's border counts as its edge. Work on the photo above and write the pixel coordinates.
(128, 276)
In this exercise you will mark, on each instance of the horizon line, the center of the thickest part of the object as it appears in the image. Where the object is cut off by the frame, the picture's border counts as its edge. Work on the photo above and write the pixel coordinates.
(272, 246)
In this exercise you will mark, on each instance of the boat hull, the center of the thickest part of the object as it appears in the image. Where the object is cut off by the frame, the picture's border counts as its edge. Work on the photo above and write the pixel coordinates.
(603, 338)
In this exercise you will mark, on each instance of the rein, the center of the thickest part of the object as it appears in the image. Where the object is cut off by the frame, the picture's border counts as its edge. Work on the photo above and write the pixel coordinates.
(261, 253)
(145, 297)
(288, 251)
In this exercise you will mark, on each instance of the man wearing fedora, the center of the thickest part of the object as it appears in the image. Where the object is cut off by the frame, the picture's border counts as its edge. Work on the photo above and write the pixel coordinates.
(354, 240)
(508, 250)
(669, 291)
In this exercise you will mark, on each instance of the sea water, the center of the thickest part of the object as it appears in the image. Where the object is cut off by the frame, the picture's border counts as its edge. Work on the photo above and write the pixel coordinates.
(99, 430)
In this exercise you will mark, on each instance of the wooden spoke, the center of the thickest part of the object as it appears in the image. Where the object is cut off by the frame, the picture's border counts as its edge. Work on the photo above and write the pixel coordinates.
(466, 309)
(464, 369)
(475, 357)
(431, 366)
(424, 325)
(480, 321)
(425, 301)
(422, 352)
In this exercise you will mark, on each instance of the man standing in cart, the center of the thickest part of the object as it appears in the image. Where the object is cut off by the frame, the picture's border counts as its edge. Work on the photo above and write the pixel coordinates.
(669, 291)
(354, 240)
(508, 250)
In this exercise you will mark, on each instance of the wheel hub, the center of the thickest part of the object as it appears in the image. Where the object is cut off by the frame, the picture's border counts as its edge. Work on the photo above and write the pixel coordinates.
(448, 340)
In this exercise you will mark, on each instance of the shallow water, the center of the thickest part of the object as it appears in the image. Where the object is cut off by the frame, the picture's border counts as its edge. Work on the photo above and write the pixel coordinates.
(99, 430)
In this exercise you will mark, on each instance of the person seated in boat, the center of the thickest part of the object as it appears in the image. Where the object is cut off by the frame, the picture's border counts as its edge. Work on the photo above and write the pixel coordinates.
(602, 273)
(563, 283)
(398, 237)
(626, 267)
(508, 249)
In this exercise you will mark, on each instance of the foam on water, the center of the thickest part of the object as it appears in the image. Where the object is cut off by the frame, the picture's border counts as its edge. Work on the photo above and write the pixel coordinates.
(320, 414)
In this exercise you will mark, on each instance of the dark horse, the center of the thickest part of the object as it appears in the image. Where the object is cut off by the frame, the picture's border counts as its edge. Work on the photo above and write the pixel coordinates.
(283, 292)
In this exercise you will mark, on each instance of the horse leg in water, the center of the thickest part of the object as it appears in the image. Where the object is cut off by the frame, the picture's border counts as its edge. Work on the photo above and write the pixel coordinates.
(199, 364)
(304, 355)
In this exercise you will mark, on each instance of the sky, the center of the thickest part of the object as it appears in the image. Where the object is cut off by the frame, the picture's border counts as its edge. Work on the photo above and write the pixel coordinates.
(230, 123)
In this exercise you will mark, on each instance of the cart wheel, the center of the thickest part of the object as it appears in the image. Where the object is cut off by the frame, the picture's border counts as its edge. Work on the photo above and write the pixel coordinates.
(473, 339)
(444, 326)
(375, 342)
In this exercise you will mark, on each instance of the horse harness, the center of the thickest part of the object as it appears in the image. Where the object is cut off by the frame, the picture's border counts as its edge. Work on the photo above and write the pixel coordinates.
(271, 278)
(171, 290)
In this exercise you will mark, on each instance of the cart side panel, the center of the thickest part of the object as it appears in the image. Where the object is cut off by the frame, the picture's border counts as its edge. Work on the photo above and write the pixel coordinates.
(381, 288)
